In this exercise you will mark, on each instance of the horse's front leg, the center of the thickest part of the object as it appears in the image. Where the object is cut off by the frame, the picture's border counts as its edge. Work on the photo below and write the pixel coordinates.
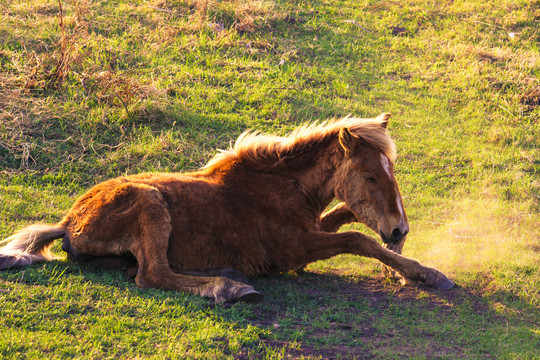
(323, 245)
(340, 215)
(388, 271)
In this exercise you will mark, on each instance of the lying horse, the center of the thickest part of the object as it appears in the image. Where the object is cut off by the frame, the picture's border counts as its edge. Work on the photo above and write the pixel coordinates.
(256, 208)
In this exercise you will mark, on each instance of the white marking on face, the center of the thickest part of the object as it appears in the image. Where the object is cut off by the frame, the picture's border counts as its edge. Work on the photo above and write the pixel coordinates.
(386, 166)
(400, 207)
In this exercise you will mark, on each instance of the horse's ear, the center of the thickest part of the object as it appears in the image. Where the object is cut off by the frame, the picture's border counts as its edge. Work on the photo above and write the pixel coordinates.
(347, 140)
(384, 117)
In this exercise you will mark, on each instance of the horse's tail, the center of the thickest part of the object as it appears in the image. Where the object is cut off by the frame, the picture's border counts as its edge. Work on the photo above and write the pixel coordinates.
(30, 245)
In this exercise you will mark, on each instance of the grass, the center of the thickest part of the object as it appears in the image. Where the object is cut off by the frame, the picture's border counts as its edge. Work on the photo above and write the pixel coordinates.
(126, 87)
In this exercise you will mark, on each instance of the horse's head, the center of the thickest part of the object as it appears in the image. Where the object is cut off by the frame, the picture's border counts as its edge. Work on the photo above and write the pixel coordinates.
(368, 186)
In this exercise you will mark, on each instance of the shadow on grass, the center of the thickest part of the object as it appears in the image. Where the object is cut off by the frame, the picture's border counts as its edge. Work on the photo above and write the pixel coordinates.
(330, 315)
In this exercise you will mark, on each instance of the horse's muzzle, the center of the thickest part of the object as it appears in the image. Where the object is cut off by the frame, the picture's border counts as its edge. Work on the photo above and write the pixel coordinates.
(395, 237)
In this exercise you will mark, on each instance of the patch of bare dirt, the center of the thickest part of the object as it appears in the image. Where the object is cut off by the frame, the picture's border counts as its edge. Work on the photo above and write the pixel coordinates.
(531, 98)
(398, 30)
(320, 294)
(292, 351)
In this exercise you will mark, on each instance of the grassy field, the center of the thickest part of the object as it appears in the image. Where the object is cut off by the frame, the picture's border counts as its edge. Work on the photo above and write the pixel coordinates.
(108, 88)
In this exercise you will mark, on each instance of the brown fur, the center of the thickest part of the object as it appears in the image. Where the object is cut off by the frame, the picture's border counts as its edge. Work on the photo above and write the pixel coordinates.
(257, 208)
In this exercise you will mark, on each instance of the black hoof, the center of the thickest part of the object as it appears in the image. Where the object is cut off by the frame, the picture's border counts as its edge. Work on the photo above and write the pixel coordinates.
(8, 261)
(444, 284)
(250, 296)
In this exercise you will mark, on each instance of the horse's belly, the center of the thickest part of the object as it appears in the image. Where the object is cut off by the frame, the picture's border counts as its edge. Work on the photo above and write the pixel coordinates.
(254, 244)
(206, 251)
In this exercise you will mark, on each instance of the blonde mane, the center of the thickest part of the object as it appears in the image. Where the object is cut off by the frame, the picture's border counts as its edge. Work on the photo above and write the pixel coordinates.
(256, 148)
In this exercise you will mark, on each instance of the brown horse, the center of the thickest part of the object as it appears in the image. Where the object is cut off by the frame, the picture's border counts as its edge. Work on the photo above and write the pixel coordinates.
(256, 208)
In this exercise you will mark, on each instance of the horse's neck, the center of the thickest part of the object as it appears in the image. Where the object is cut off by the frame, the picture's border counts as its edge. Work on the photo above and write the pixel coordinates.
(318, 179)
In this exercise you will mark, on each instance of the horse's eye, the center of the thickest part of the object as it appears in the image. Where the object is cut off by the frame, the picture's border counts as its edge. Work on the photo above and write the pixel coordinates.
(369, 178)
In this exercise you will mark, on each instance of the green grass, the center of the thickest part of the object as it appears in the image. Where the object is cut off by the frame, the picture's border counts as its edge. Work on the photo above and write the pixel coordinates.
(154, 90)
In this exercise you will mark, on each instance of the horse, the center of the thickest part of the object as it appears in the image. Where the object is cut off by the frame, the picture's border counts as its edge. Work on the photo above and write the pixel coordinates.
(255, 209)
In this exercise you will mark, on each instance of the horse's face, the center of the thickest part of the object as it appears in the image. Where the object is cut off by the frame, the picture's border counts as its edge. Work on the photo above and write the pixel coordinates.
(368, 187)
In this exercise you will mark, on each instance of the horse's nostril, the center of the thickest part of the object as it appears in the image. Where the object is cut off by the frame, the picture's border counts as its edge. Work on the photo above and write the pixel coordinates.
(406, 232)
(397, 235)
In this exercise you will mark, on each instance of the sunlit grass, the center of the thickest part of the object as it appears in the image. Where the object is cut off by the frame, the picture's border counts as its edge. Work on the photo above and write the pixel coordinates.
(160, 85)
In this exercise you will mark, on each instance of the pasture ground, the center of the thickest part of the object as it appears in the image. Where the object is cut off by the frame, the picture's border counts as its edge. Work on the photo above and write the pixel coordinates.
(117, 87)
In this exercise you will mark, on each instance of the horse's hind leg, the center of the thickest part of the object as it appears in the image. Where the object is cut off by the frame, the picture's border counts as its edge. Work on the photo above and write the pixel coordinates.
(229, 273)
(108, 262)
(150, 248)
(157, 274)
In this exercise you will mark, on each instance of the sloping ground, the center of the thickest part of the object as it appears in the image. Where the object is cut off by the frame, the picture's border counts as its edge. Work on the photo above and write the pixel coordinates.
(101, 89)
